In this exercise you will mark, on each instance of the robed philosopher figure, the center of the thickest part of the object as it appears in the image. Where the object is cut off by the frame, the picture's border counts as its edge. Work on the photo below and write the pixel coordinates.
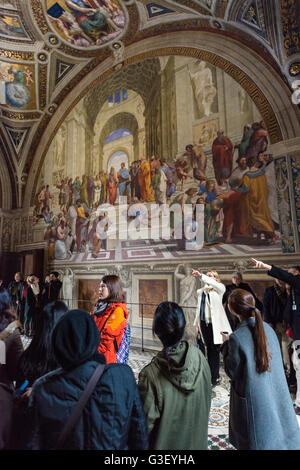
(144, 179)
(255, 203)
(222, 151)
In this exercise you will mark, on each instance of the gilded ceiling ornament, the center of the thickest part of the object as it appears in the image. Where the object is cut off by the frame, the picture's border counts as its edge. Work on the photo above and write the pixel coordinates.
(42, 56)
(53, 40)
(290, 14)
(52, 108)
(38, 14)
(216, 24)
(15, 55)
(31, 116)
(294, 69)
(43, 85)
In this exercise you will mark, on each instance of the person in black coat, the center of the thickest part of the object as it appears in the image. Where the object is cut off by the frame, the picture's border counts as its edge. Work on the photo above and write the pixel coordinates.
(237, 283)
(113, 417)
(52, 288)
(33, 304)
(275, 299)
(16, 289)
(291, 312)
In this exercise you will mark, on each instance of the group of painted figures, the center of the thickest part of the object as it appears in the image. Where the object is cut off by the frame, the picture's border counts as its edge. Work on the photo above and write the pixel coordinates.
(88, 22)
(240, 203)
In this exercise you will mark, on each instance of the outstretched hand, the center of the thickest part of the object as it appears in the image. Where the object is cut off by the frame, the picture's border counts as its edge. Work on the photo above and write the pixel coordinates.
(260, 264)
(196, 273)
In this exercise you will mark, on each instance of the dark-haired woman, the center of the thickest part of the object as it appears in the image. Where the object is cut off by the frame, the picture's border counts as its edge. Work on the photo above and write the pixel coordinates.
(37, 360)
(261, 410)
(175, 387)
(111, 316)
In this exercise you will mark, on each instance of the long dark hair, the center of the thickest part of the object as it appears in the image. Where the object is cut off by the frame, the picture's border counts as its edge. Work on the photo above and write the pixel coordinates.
(242, 303)
(38, 358)
(168, 325)
(115, 288)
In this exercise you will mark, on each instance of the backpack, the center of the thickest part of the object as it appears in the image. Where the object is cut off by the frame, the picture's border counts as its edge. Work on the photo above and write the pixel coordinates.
(123, 350)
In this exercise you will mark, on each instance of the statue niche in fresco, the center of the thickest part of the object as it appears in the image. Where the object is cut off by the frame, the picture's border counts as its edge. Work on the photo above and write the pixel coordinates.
(204, 88)
(59, 148)
(87, 23)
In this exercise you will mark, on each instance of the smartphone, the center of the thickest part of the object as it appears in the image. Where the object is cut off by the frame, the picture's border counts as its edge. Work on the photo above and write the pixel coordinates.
(19, 391)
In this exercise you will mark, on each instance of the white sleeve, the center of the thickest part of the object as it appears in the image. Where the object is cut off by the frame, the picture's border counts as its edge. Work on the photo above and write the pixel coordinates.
(218, 286)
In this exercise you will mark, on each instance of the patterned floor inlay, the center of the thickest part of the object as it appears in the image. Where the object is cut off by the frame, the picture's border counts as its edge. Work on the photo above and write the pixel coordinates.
(219, 442)
(219, 412)
(171, 249)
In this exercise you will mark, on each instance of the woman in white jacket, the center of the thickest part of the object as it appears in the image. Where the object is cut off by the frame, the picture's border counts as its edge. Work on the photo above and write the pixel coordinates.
(211, 319)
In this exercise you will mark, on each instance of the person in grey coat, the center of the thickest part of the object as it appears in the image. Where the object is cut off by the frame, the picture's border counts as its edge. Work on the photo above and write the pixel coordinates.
(261, 410)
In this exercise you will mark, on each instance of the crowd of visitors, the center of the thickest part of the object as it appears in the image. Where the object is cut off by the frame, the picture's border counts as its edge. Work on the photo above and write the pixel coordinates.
(72, 387)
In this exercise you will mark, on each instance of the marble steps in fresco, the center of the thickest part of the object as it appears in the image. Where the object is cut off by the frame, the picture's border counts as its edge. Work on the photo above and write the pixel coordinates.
(168, 250)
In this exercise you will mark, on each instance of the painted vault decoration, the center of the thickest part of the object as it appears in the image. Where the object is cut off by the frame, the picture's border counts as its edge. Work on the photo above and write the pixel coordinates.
(86, 23)
(17, 85)
(11, 26)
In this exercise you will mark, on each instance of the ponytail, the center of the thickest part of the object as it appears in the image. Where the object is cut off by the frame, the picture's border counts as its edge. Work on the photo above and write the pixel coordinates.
(242, 302)
(262, 356)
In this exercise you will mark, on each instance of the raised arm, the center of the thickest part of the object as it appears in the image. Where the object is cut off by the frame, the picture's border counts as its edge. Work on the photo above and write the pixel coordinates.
(278, 273)
(218, 286)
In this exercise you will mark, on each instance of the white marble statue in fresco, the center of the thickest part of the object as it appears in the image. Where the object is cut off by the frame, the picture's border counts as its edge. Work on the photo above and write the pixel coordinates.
(67, 288)
(187, 299)
(203, 86)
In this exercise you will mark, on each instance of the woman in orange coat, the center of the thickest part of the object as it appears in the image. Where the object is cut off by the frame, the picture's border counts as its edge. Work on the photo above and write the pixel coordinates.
(111, 316)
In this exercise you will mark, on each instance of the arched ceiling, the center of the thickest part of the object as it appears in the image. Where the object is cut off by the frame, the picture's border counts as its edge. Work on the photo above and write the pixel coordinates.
(137, 77)
(47, 56)
(117, 121)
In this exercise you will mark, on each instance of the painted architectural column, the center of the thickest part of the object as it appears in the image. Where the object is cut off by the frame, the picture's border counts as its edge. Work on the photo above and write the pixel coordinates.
(184, 103)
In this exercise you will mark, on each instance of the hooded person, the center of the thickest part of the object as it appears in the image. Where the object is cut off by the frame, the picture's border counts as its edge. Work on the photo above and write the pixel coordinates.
(175, 387)
(113, 417)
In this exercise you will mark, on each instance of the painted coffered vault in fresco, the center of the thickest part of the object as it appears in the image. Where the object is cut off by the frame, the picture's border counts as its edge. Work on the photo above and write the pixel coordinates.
(52, 56)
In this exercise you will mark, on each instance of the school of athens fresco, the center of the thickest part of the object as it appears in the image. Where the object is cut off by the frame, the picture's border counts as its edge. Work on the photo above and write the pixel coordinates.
(200, 141)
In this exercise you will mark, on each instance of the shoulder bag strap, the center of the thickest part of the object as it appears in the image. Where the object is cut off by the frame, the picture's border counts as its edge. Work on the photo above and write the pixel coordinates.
(80, 405)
